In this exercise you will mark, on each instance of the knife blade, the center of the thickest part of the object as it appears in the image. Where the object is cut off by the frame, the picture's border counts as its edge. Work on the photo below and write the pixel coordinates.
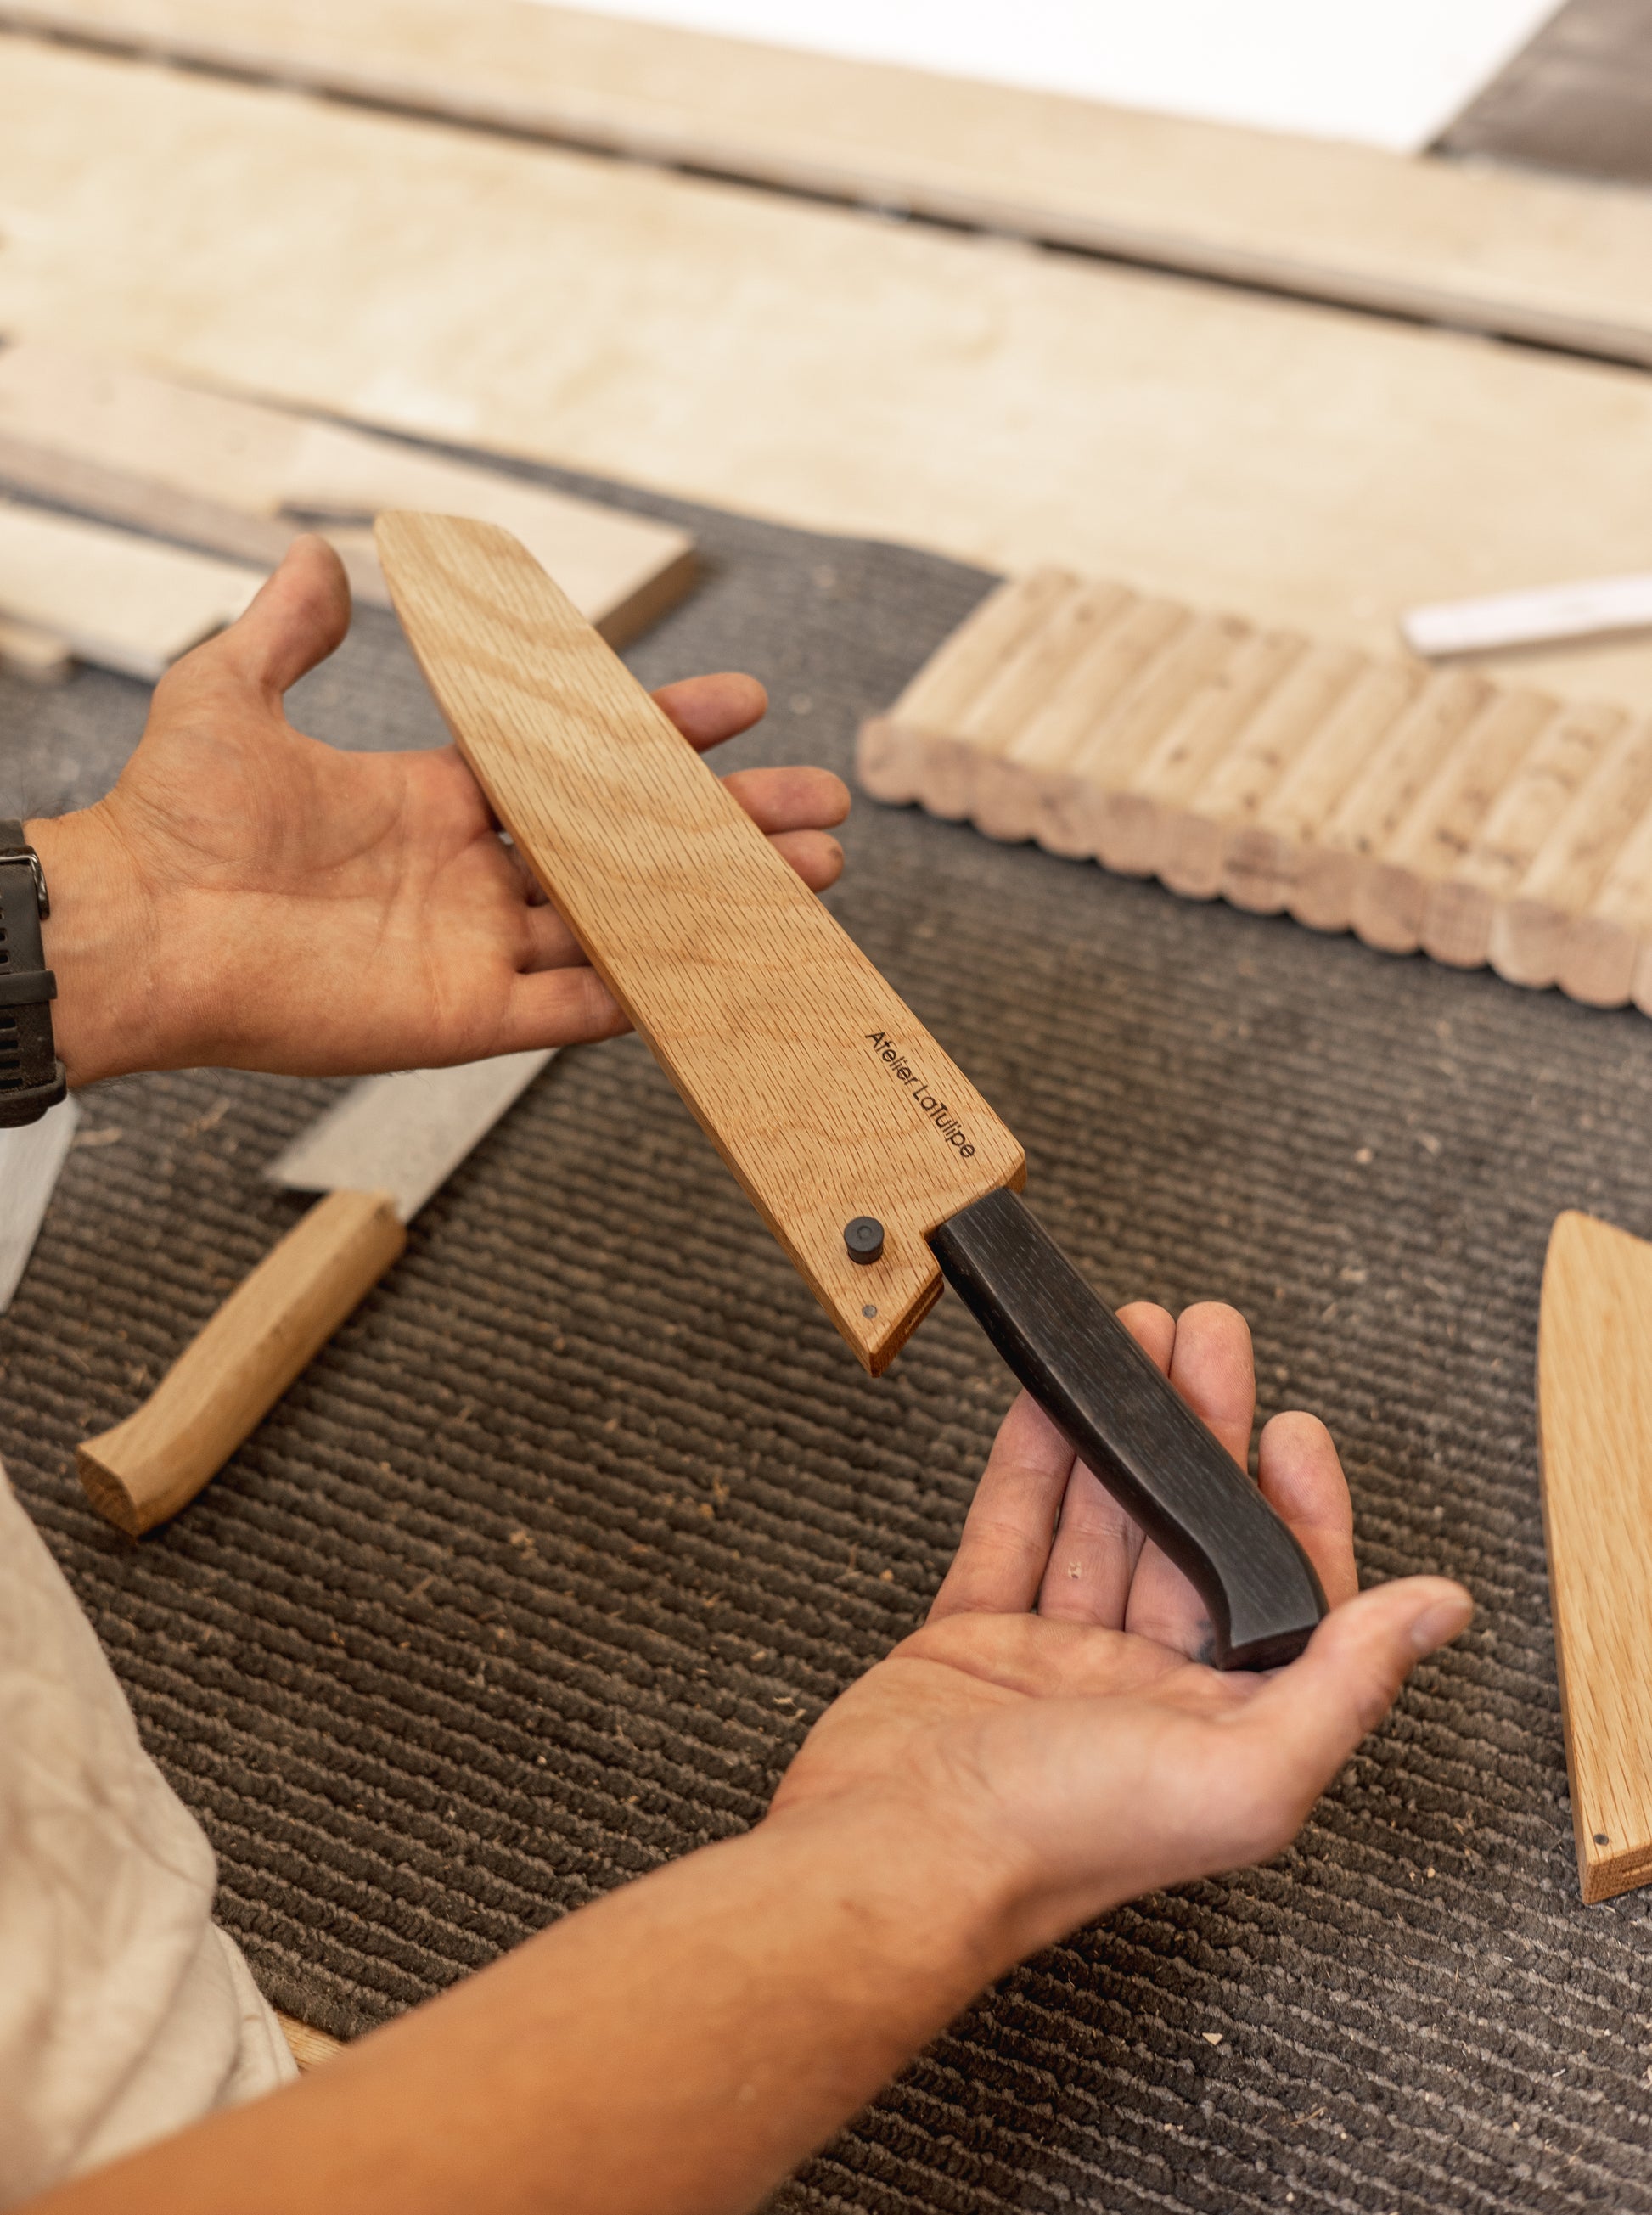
(32, 1155)
(378, 1155)
(872, 1158)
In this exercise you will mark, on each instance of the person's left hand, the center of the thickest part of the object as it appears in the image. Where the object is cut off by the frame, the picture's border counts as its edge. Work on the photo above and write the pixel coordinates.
(1054, 1729)
(248, 898)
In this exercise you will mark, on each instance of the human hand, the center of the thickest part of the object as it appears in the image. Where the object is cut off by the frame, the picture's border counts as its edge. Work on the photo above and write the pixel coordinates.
(1050, 1718)
(248, 898)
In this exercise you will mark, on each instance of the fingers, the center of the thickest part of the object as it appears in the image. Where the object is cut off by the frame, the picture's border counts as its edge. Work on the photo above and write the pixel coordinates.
(1304, 1723)
(1213, 1369)
(1088, 1576)
(568, 1006)
(1302, 1481)
(299, 615)
(790, 799)
(817, 857)
(1006, 1540)
(709, 709)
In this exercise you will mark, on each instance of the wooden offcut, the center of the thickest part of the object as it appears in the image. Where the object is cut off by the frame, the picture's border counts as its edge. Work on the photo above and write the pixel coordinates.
(817, 1084)
(1525, 256)
(1595, 1405)
(244, 479)
(1418, 809)
(38, 656)
(110, 596)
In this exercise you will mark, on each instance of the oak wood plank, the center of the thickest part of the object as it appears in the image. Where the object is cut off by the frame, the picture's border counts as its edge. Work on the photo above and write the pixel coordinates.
(1527, 256)
(1390, 897)
(1263, 856)
(38, 657)
(1347, 845)
(1594, 1422)
(899, 752)
(1607, 944)
(1019, 793)
(1115, 750)
(891, 380)
(1194, 853)
(244, 479)
(1183, 759)
(817, 1084)
(1532, 929)
(1457, 920)
(123, 602)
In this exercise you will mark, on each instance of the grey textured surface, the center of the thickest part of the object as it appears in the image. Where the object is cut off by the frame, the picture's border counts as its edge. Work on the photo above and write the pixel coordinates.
(1578, 97)
(539, 1574)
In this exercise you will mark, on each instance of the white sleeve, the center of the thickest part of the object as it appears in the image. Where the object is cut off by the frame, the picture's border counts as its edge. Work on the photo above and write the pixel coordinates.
(125, 2012)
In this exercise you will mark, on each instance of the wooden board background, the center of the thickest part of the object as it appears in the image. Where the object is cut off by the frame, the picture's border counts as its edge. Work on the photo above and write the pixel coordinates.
(1301, 465)
(1528, 256)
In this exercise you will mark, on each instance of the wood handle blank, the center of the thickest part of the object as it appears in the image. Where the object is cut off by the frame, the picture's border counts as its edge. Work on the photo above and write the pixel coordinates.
(228, 1377)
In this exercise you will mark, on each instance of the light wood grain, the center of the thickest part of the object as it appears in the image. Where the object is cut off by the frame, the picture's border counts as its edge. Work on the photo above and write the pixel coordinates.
(1532, 930)
(1392, 894)
(1418, 808)
(38, 657)
(1595, 1405)
(1112, 756)
(1307, 468)
(1524, 255)
(230, 1375)
(1024, 791)
(1265, 746)
(1457, 918)
(244, 479)
(921, 746)
(814, 1081)
(1346, 847)
(1135, 836)
(114, 599)
(311, 2049)
(1265, 854)
(1603, 950)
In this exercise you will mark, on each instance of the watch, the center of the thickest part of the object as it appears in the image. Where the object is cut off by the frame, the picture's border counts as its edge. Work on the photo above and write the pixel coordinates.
(31, 1077)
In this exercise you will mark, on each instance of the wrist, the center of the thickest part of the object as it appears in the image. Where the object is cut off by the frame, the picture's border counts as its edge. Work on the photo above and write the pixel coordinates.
(943, 1896)
(98, 943)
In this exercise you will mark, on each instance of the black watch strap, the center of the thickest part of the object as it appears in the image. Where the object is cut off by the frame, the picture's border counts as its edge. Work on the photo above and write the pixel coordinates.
(31, 1075)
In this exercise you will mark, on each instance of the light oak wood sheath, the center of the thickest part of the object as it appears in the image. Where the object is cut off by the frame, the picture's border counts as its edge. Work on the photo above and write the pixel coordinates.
(772, 1024)
(1595, 1409)
(229, 1377)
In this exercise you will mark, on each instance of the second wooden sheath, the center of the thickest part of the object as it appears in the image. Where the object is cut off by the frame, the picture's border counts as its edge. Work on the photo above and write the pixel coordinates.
(817, 1084)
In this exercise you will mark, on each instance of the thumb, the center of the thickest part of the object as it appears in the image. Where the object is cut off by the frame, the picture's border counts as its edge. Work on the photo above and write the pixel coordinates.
(298, 617)
(1312, 1715)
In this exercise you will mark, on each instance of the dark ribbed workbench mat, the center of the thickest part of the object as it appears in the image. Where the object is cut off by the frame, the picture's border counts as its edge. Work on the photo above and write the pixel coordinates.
(538, 1575)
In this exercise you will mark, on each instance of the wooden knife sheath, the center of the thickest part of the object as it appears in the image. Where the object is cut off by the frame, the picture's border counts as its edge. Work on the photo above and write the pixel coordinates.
(819, 1087)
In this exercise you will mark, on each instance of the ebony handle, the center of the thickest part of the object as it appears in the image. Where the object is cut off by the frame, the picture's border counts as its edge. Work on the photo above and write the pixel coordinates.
(1145, 1443)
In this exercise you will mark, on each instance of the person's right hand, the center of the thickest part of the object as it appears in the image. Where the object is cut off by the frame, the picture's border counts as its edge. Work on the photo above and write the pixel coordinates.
(1053, 1717)
(246, 898)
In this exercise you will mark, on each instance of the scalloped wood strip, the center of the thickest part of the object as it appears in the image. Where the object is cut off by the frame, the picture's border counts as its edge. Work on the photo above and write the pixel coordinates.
(1480, 822)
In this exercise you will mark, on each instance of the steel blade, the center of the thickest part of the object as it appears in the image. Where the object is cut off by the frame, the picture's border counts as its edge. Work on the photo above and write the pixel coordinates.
(405, 1134)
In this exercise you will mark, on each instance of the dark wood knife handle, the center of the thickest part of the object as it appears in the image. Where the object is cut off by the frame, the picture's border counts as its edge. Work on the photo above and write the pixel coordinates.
(1139, 1436)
